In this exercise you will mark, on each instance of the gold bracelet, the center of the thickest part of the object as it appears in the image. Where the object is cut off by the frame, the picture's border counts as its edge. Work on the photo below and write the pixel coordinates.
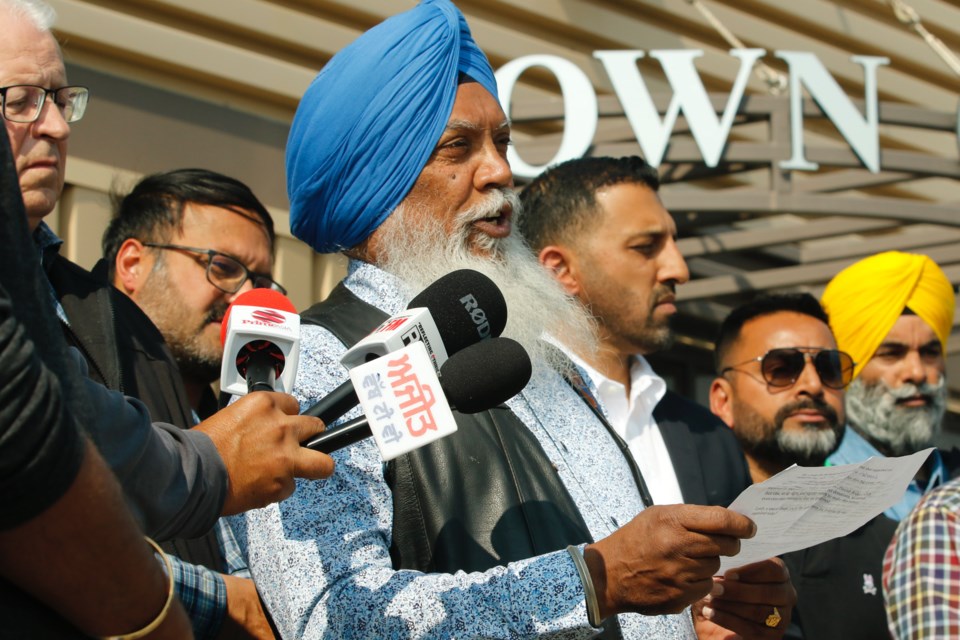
(589, 592)
(158, 620)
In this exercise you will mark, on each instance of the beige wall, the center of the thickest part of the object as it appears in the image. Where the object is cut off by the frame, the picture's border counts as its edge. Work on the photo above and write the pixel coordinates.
(214, 83)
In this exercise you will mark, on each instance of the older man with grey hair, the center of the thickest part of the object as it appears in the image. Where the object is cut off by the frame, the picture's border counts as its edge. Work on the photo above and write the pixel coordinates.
(526, 522)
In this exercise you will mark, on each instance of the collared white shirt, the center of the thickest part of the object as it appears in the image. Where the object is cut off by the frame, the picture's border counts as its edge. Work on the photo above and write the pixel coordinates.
(632, 418)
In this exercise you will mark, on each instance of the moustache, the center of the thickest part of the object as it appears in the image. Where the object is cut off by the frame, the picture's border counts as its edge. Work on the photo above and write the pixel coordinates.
(490, 207)
(216, 312)
(807, 404)
(662, 292)
(908, 390)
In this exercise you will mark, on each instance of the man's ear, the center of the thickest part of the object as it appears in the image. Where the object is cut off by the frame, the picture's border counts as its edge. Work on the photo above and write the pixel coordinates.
(132, 266)
(721, 400)
(561, 262)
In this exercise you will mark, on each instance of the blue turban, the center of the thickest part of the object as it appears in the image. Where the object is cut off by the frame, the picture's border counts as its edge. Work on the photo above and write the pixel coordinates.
(370, 120)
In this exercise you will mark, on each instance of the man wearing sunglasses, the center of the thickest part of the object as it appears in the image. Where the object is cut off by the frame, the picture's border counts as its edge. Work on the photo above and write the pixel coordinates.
(893, 312)
(780, 388)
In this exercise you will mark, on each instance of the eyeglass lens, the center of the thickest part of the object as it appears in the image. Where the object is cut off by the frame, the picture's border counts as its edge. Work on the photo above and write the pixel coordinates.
(22, 103)
(782, 367)
(229, 274)
(226, 272)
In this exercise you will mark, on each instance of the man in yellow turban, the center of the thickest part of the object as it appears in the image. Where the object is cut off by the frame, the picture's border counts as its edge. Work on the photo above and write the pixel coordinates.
(893, 313)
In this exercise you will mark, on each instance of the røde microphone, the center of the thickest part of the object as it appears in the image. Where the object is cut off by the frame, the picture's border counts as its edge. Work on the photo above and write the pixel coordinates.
(455, 311)
(474, 379)
(260, 333)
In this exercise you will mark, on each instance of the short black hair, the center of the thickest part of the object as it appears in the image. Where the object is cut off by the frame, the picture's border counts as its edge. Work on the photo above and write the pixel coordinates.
(764, 305)
(154, 208)
(560, 200)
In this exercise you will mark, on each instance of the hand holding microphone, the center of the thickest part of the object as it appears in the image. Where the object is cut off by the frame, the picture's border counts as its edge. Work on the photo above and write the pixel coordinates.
(258, 436)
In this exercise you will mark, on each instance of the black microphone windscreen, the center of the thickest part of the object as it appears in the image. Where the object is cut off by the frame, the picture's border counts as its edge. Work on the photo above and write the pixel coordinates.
(485, 374)
(466, 306)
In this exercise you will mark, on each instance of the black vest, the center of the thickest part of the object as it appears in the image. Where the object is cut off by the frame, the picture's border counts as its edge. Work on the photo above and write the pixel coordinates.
(482, 497)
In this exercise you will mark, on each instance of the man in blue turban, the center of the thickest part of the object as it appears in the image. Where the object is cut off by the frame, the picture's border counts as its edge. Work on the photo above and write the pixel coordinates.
(397, 157)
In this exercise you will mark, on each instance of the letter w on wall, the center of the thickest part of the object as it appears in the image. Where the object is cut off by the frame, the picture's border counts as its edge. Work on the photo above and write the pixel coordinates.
(689, 96)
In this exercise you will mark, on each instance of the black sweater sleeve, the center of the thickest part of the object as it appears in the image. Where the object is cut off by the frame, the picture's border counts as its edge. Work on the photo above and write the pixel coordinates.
(40, 446)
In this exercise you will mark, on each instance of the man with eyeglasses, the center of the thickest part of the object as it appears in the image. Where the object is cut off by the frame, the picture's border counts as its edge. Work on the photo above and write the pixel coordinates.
(182, 245)
(178, 480)
(893, 312)
(780, 389)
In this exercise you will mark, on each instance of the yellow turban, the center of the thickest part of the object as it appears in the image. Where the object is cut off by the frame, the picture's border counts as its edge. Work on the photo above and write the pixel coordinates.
(865, 300)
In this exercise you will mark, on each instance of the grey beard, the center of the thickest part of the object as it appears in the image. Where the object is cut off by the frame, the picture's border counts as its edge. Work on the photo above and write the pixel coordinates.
(768, 441)
(873, 411)
(419, 250)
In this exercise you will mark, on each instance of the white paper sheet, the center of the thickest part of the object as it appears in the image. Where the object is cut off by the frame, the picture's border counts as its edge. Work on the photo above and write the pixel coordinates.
(804, 506)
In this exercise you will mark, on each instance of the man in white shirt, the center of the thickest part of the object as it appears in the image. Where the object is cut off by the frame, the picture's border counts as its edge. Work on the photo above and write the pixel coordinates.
(599, 226)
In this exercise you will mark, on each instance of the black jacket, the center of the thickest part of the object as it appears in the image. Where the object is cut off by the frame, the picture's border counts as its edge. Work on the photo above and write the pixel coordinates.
(126, 352)
(839, 595)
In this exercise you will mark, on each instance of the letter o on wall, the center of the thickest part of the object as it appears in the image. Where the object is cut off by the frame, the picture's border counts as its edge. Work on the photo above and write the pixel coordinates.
(579, 108)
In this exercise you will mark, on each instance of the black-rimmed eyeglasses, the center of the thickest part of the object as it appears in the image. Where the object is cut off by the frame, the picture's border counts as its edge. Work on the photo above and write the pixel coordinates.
(23, 102)
(783, 367)
(225, 272)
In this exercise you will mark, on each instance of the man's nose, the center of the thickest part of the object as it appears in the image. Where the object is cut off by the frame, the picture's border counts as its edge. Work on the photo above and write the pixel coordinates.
(51, 123)
(912, 368)
(494, 170)
(809, 381)
(673, 268)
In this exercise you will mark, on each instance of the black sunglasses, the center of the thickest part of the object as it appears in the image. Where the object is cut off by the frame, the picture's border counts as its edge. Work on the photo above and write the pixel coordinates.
(783, 367)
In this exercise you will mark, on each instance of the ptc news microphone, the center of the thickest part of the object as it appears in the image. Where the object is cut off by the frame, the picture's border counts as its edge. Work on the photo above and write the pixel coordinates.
(260, 333)
(457, 310)
(474, 379)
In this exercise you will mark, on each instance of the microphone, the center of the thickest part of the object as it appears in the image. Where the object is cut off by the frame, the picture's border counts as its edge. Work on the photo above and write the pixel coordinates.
(455, 311)
(474, 379)
(260, 333)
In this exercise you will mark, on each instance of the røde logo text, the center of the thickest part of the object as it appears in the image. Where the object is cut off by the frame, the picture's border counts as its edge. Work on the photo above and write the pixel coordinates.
(477, 314)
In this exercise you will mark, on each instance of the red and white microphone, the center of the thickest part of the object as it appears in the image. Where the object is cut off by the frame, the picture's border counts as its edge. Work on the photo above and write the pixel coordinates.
(260, 334)
(402, 399)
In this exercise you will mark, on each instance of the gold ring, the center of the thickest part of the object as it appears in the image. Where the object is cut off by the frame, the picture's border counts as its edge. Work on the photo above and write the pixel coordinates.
(773, 619)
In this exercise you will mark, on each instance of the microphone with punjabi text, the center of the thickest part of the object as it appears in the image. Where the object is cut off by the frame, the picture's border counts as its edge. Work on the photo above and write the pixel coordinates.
(476, 378)
(457, 310)
(260, 333)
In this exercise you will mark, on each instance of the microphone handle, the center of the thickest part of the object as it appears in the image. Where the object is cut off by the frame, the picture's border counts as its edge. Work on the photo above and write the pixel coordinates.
(331, 407)
(261, 374)
(348, 433)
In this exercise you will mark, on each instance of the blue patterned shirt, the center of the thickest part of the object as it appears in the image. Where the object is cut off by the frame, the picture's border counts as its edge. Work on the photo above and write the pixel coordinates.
(321, 558)
(855, 448)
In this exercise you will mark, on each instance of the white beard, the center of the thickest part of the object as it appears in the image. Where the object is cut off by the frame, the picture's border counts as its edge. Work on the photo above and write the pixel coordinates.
(419, 250)
(874, 411)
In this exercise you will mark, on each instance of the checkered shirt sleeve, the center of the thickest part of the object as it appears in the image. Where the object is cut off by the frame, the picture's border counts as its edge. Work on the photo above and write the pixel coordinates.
(921, 573)
(203, 594)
